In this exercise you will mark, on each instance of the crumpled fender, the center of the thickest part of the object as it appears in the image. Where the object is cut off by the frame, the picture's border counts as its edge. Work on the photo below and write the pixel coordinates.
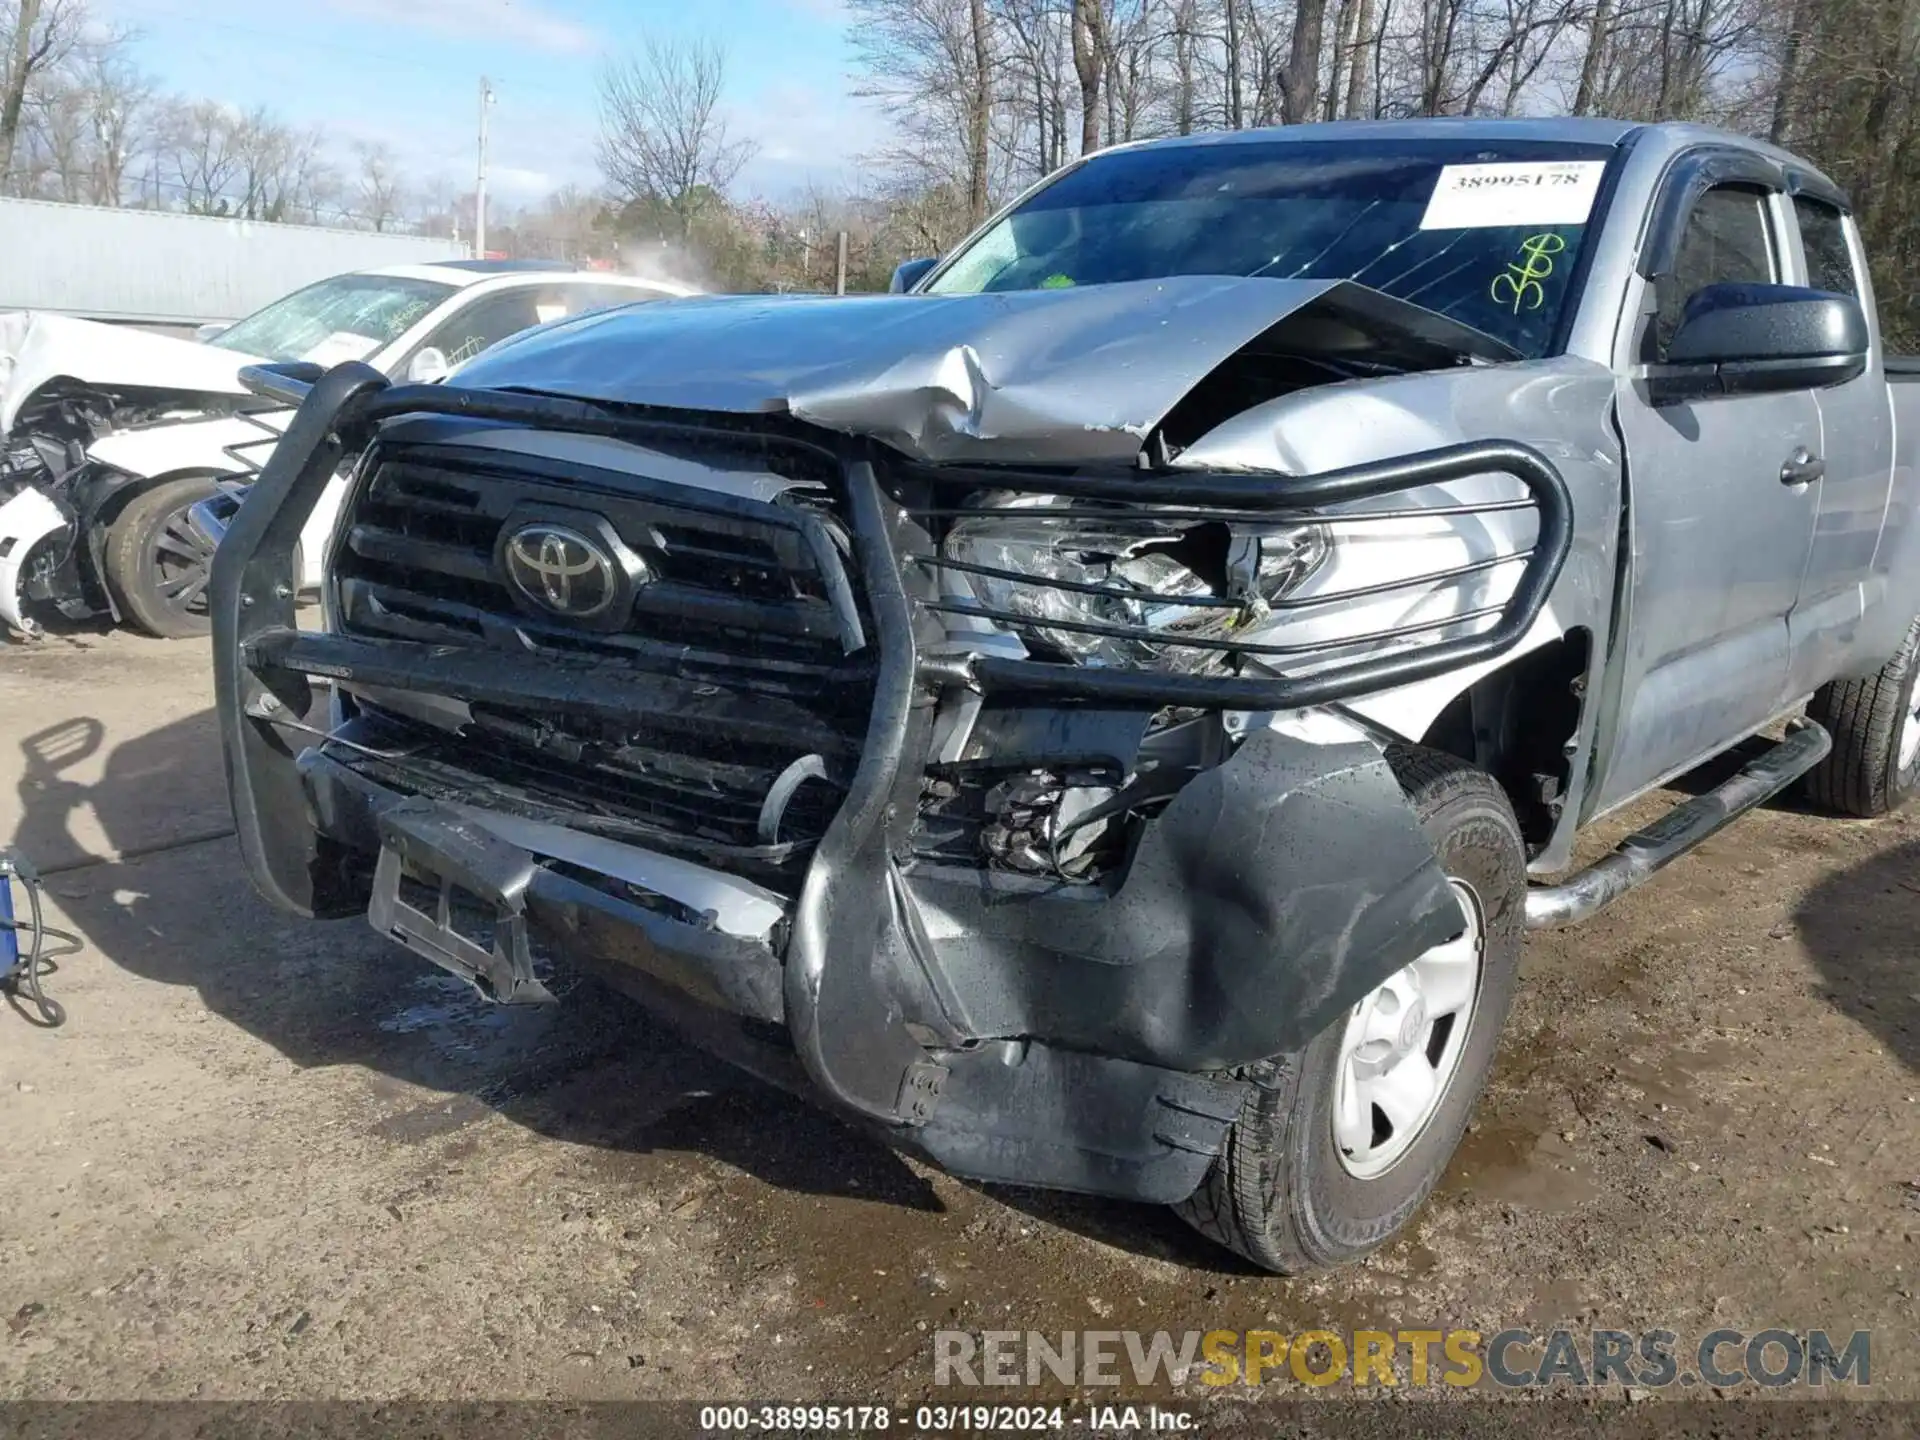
(190, 446)
(1270, 895)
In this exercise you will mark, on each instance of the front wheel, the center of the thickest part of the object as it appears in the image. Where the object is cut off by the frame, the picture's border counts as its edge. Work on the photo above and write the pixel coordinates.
(158, 560)
(1338, 1144)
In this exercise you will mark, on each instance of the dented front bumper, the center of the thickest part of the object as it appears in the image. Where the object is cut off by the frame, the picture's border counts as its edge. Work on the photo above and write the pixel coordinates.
(1076, 1036)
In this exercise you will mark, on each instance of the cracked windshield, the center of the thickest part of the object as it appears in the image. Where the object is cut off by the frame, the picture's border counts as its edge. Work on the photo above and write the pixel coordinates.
(1474, 232)
(345, 318)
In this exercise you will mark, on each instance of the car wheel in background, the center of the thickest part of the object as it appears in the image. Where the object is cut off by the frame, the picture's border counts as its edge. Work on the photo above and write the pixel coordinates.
(1875, 723)
(158, 561)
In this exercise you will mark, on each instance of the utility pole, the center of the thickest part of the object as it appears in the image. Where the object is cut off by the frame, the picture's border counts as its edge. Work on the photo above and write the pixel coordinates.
(480, 187)
(840, 267)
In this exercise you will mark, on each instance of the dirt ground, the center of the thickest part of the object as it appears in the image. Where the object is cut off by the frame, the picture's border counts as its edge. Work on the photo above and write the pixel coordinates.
(269, 1159)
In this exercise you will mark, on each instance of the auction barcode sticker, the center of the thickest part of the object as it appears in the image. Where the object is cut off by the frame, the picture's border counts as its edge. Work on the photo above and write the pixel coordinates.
(1471, 197)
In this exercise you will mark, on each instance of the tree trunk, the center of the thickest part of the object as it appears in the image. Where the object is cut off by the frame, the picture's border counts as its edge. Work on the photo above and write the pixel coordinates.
(1359, 72)
(1438, 61)
(1183, 67)
(1089, 64)
(1343, 41)
(1043, 147)
(13, 84)
(1584, 93)
(1300, 84)
(1111, 68)
(1236, 108)
(980, 115)
(1786, 91)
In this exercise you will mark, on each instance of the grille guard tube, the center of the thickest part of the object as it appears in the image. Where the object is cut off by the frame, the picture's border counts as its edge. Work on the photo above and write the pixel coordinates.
(252, 591)
(850, 1044)
(1297, 498)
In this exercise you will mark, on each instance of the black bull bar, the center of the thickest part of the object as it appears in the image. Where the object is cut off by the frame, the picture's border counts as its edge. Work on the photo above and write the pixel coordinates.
(852, 918)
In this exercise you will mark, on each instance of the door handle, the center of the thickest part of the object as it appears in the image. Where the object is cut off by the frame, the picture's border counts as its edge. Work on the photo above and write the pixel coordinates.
(1802, 467)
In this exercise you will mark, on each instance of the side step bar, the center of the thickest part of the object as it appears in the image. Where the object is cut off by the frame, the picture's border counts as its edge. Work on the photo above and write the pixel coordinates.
(1645, 852)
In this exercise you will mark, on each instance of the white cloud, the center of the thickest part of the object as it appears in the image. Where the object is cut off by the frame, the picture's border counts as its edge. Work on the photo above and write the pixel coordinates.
(513, 22)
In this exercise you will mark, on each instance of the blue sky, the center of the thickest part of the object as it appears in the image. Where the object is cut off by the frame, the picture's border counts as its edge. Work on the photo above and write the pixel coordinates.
(407, 71)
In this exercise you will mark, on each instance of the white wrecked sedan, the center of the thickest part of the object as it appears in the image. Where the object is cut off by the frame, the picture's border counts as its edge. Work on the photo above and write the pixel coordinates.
(110, 437)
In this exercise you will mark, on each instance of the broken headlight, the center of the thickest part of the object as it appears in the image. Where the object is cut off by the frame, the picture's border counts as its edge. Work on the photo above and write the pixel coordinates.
(1113, 589)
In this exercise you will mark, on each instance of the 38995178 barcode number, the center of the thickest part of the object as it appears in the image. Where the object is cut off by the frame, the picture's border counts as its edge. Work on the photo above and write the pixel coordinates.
(803, 1419)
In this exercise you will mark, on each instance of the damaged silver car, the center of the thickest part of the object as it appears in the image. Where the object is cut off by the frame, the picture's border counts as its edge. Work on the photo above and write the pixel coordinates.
(1106, 718)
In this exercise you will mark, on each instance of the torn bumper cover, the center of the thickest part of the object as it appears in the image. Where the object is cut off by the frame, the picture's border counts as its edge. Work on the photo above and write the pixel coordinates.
(1077, 1037)
(33, 530)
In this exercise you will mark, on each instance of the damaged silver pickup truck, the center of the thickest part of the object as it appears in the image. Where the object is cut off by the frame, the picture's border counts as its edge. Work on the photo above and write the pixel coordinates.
(1106, 718)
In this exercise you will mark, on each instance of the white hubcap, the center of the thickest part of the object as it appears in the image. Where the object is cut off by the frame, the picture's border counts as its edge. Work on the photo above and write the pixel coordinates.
(1402, 1044)
(1910, 735)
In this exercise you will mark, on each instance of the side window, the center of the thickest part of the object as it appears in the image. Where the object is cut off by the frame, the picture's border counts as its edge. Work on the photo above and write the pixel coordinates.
(1726, 240)
(1823, 234)
(485, 322)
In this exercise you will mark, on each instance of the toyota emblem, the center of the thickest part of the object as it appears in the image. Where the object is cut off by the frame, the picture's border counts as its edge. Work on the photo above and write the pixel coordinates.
(562, 571)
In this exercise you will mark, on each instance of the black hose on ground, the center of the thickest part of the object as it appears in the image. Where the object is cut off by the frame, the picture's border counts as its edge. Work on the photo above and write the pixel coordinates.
(33, 957)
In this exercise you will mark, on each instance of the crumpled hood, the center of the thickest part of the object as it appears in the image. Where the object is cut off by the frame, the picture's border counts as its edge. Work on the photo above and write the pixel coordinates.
(1078, 375)
(36, 347)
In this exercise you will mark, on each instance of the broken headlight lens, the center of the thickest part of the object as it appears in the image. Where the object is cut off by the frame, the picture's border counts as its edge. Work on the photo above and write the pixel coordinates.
(1111, 590)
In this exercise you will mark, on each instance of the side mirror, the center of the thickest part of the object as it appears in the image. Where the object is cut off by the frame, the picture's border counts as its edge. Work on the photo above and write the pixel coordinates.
(428, 366)
(211, 331)
(1756, 339)
(910, 273)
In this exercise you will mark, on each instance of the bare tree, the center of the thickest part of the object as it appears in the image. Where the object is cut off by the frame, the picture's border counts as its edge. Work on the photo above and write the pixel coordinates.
(1089, 65)
(379, 192)
(979, 108)
(1136, 37)
(123, 116)
(1300, 80)
(51, 156)
(1033, 87)
(663, 137)
(279, 173)
(200, 155)
(37, 35)
(947, 72)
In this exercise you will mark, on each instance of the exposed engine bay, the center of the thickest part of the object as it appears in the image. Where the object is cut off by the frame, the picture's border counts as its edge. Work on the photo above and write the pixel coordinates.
(44, 457)
(66, 386)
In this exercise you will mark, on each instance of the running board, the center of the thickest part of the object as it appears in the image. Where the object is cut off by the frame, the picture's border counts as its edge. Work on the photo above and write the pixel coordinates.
(1645, 852)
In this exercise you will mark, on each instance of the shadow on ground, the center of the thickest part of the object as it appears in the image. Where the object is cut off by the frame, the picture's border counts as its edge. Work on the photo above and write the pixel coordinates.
(593, 1070)
(1862, 927)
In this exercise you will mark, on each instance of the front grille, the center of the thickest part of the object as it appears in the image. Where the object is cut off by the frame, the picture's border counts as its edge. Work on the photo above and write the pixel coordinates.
(748, 597)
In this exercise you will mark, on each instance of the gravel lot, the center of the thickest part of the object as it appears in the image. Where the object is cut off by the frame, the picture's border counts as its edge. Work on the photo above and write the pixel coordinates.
(267, 1159)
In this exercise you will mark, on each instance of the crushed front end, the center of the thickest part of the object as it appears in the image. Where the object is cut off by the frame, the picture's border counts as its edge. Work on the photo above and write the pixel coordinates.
(712, 704)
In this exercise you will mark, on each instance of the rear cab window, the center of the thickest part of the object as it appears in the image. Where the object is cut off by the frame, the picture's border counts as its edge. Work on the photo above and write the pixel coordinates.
(1823, 237)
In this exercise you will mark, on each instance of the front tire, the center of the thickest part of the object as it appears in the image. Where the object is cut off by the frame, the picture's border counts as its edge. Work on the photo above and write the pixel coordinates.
(1327, 1160)
(1874, 768)
(157, 563)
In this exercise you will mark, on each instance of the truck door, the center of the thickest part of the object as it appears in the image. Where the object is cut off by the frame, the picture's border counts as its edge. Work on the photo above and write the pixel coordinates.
(1718, 542)
(1856, 448)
